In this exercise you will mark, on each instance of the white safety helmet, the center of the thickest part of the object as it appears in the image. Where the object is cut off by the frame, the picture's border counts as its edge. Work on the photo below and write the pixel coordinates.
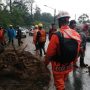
(10, 25)
(36, 26)
(63, 14)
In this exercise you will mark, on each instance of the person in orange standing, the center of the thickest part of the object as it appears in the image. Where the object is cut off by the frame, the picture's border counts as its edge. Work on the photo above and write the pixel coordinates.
(34, 34)
(2, 38)
(41, 39)
(62, 60)
(34, 38)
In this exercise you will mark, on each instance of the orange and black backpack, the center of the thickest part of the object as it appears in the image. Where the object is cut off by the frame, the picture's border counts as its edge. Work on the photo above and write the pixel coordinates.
(68, 49)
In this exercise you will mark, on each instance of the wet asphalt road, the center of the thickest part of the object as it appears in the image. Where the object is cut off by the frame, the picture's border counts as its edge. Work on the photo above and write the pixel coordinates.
(78, 79)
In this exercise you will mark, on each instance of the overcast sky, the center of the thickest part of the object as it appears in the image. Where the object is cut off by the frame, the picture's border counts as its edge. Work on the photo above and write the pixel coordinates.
(72, 6)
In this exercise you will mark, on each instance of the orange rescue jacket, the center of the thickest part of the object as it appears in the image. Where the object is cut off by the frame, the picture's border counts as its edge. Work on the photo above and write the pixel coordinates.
(53, 48)
(34, 35)
(43, 36)
(1, 33)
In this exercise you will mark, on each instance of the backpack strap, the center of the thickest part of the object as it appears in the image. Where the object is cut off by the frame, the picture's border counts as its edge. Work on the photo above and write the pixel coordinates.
(61, 38)
(61, 41)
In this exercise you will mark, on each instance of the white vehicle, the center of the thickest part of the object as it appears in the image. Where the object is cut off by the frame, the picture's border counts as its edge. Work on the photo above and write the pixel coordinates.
(31, 31)
(27, 31)
(24, 33)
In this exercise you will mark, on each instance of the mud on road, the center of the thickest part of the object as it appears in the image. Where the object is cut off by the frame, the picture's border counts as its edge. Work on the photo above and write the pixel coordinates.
(22, 71)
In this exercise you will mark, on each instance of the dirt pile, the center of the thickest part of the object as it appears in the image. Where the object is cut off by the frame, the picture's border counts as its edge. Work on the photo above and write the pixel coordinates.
(22, 71)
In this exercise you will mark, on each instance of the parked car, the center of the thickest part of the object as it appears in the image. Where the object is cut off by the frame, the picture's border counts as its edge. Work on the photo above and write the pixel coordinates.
(27, 31)
(24, 33)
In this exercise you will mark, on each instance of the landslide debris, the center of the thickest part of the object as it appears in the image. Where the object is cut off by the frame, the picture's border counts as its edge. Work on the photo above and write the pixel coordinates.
(20, 70)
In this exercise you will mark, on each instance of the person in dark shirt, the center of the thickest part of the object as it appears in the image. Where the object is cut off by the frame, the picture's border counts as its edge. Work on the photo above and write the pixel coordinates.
(52, 30)
(19, 35)
(83, 43)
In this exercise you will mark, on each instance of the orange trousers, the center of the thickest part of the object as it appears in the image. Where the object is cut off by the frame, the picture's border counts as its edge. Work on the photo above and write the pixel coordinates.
(59, 80)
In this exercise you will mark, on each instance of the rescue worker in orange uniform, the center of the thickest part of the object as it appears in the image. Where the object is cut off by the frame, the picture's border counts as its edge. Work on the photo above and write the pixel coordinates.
(2, 38)
(34, 38)
(60, 72)
(41, 39)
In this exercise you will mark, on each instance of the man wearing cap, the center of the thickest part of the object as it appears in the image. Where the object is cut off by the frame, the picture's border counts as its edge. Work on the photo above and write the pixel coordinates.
(61, 71)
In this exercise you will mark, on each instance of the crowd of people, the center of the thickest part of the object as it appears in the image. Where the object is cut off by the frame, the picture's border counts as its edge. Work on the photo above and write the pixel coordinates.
(8, 36)
(65, 47)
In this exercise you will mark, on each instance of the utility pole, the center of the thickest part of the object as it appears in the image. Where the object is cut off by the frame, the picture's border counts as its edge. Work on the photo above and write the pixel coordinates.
(0, 1)
(31, 12)
(10, 5)
(54, 18)
(31, 9)
(75, 17)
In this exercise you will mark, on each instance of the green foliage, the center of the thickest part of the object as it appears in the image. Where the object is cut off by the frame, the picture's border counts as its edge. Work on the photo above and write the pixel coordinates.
(20, 15)
(45, 18)
(37, 14)
(84, 18)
